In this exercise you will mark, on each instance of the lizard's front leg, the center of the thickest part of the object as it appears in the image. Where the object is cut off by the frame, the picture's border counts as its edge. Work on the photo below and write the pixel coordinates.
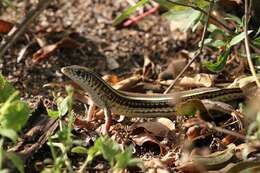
(91, 110)
(108, 120)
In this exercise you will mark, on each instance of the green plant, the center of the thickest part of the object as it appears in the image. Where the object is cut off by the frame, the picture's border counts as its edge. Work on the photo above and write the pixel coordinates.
(13, 116)
(111, 151)
(62, 140)
(192, 13)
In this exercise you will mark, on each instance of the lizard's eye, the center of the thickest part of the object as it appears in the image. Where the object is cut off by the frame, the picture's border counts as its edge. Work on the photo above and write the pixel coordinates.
(78, 72)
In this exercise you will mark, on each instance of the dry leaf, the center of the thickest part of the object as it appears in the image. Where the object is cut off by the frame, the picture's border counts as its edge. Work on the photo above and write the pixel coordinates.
(216, 160)
(112, 63)
(175, 66)
(48, 50)
(155, 128)
(155, 166)
(199, 80)
(5, 26)
(112, 79)
(145, 138)
(127, 84)
(148, 67)
(45, 52)
(166, 122)
(191, 167)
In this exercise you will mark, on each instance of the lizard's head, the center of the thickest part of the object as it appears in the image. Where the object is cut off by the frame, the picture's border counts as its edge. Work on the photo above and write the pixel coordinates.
(77, 73)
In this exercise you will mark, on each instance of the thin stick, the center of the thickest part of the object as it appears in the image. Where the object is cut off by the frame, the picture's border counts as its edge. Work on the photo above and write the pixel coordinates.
(142, 16)
(197, 53)
(222, 130)
(249, 59)
(20, 28)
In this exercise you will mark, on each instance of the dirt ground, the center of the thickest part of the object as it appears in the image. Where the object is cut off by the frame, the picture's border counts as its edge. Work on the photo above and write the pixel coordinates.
(105, 48)
(84, 33)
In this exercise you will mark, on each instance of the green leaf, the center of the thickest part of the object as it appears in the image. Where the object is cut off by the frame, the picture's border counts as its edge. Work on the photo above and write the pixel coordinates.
(168, 5)
(2, 152)
(125, 159)
(109, 148)
(53, 114)
(218, 43)
(63, 106)
(219, 64)
(127, 12)
(16, 160)
(14, 113)
(233, 18)
(94, 150)
(257, 33)
(188, 18)
(257, 41)
(9, 133)
(79, 150)
(4, 171)
(201, 3)
(6, 89)
(238, 38)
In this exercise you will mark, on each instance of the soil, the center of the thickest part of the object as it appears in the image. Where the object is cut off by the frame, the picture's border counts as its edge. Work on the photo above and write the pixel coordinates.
(89, 23)
(91, 41)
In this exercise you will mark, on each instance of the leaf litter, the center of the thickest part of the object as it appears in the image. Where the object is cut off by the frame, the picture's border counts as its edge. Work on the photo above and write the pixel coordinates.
(138, 58)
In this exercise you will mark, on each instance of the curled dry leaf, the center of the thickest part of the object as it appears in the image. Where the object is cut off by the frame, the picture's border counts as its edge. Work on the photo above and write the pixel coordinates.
(160, 129)
(244, 81)
(128, 83)
(48, 50)
(142, 138)
(5, 26)
(246, 166)
(166, 122)
(148, 67)
(199, 80)
(45, 52)
(217, 159)
(247, 150)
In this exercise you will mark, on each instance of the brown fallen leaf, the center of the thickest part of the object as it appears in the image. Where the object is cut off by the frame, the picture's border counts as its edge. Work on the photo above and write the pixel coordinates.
(47, 51)
(112, 79)
(83, 124)
(128, 83)
(5, 26)
(191, 167)
(199, 80)
(155, 166)
(145, 138)
(155, 128)
(247, 150)
(175, 66)
(148, 67)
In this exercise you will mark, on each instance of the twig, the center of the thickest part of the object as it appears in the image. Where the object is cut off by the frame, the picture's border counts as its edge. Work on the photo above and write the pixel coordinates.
(20, 28)
(249, 59)
(140, 17)
(197, 52)
(222, 130)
